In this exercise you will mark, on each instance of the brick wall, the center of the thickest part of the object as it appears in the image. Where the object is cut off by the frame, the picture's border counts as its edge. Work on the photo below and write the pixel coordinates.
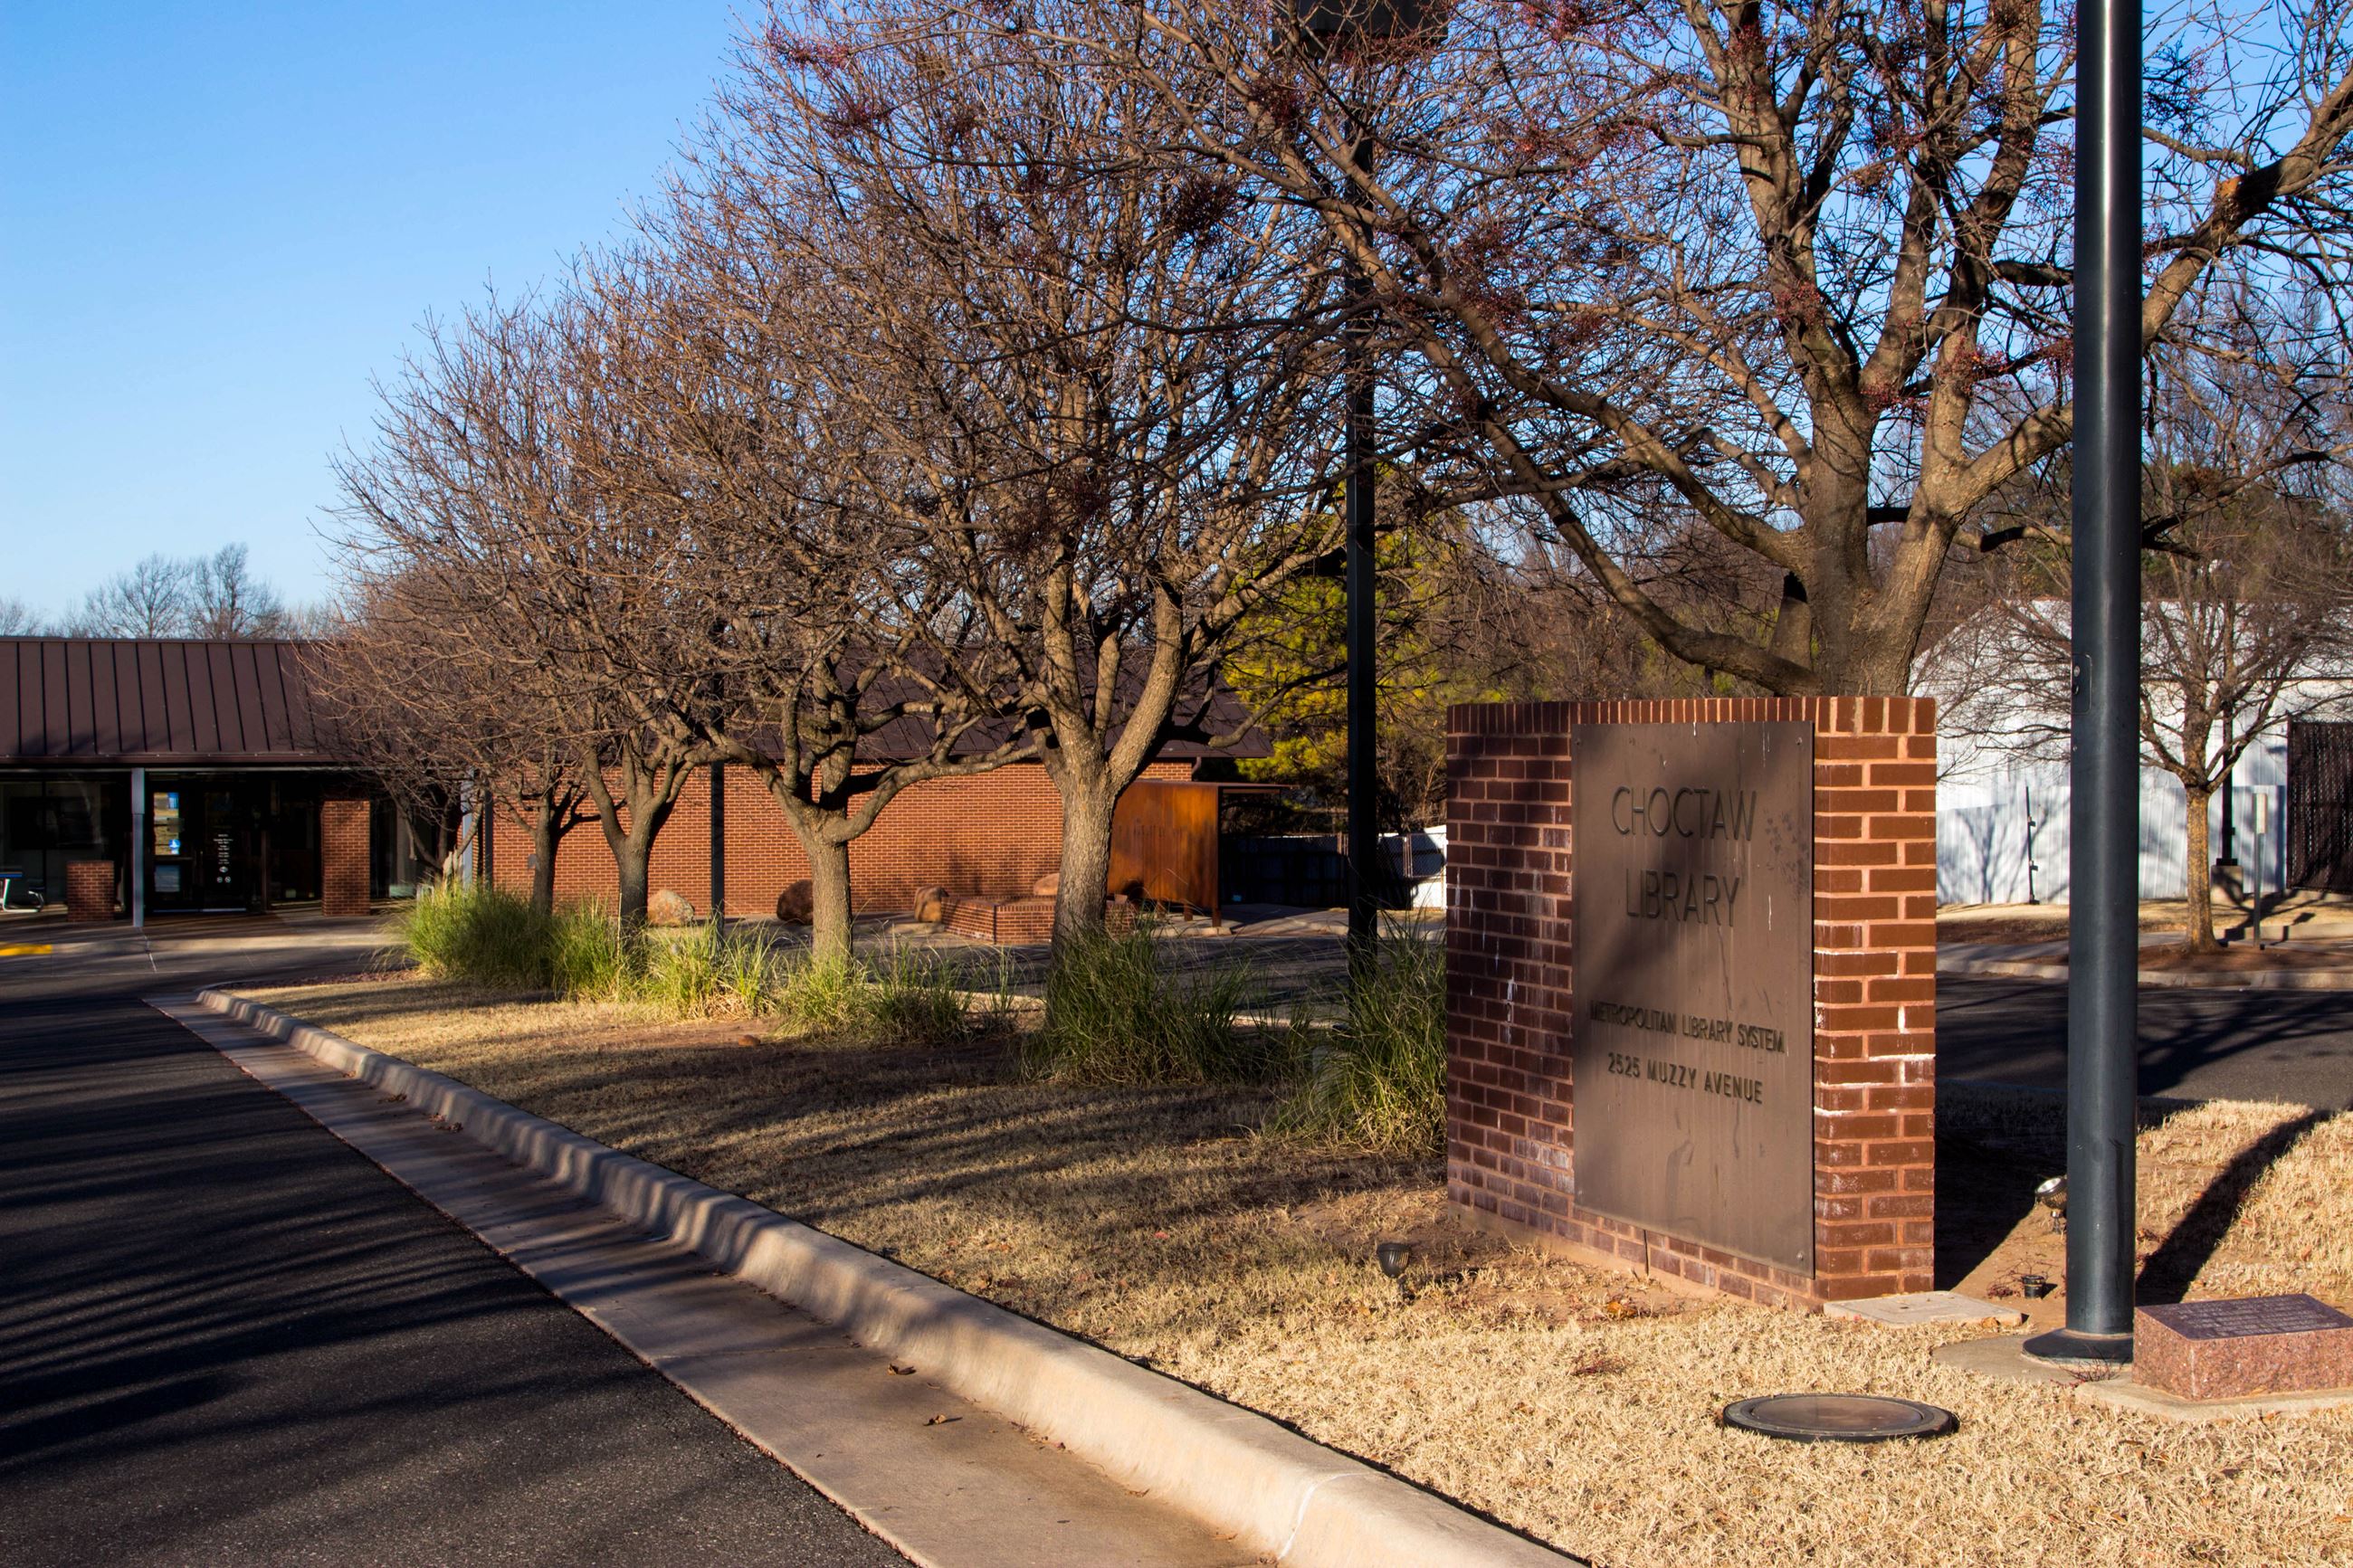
(344, 856)
(1511, 1103)
(1013, 922)
(992, 835)
(90, 890)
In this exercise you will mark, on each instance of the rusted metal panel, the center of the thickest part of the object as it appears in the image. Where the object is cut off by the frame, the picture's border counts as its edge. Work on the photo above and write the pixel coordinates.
(1692, 908)
(1164, 843)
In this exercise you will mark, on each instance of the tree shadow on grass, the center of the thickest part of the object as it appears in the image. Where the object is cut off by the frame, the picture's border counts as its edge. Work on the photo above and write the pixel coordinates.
(2170, 1271)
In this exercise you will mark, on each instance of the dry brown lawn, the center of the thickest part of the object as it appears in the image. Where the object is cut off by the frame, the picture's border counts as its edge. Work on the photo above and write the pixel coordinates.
(1567, 1401)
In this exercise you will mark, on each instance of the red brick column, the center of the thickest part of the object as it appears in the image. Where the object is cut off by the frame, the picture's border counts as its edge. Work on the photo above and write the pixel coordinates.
(344, 856)
(1510, 1144)
(90, 890)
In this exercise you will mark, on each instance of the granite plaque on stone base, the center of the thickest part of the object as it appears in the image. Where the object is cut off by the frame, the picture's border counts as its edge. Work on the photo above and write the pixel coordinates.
(2254, 1345)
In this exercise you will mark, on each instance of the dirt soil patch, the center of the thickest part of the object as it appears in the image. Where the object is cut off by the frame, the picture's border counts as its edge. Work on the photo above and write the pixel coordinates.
(1567, 1401)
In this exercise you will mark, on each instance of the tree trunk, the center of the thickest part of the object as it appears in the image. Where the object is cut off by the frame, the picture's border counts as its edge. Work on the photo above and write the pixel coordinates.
(632, 856)
(829, 910)
(544, 840)
(1085, 867)
(2197, 880)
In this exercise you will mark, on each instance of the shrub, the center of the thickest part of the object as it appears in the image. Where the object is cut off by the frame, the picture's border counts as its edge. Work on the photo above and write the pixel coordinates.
(478, 933)
(1114, 1016)
(1377, 1080)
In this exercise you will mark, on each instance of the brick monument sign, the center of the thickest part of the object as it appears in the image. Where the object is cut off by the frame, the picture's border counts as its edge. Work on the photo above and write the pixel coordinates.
(1691, 986)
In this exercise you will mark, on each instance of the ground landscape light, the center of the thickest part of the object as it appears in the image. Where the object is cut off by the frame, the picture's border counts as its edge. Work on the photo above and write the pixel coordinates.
(1393, 1255)
(1837, 1417)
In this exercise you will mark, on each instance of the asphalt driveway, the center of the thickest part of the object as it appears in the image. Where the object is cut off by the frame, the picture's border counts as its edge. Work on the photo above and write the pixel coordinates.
(224, 1337)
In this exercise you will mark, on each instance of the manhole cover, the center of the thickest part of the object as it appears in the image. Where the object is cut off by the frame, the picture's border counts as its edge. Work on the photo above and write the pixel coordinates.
(1837, 1417)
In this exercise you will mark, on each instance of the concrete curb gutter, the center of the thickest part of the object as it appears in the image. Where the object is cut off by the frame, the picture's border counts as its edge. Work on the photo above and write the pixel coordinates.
(1277, 1493)
(2247, 979)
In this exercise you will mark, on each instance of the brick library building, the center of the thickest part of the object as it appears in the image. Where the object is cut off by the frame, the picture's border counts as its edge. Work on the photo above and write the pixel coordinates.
(145, 778)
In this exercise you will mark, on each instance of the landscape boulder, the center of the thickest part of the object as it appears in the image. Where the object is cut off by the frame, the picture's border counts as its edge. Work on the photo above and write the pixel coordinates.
(932, 904)
(668, 908)
(796, 904)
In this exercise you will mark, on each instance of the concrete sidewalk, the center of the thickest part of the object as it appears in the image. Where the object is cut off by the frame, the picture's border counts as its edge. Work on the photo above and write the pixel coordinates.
(946, 1483)
(1238, 1474)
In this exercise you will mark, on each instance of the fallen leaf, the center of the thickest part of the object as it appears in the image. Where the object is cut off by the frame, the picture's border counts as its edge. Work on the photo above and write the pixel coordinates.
(897, 1371)
(942, 1420)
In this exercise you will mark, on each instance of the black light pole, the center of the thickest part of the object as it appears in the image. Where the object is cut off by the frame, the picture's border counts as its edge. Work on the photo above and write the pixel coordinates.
(1363, 794)
(2104, 768)
(1328, 27)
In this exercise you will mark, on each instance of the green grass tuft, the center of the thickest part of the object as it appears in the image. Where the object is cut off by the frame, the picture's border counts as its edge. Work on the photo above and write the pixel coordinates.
(1377, 1080)
(1115, 1015)
(481, 934)
(588, 959)
(918, 999)
(705, 973)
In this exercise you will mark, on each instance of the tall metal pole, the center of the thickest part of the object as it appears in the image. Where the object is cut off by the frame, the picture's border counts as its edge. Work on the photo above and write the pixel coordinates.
(1364, 795)
(2104, 770)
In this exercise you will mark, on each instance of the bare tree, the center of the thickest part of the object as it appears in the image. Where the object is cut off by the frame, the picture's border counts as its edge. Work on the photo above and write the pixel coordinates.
(402, 679)
(1793, 271)
(506, 483)
(214, 595)
(150, 600)
(2247, 616)
(1096, 364)
(19, 619)
(822, 624)
(225, 600)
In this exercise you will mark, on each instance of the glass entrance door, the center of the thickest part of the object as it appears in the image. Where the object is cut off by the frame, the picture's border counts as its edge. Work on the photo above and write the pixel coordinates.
(169, 885)
(213, 838)
(203, 835)
(224, 866)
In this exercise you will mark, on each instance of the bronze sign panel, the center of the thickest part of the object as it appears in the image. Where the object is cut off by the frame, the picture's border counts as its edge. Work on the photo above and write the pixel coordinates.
(1694, 1038)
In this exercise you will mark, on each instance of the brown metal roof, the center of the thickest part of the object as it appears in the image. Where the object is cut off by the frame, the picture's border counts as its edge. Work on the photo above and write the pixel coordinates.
(156, 702)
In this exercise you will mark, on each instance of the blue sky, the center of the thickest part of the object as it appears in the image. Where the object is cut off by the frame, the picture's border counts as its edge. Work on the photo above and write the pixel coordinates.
(218, 222)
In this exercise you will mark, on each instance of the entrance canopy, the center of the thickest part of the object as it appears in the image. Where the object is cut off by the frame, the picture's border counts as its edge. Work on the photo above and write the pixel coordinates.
(193, 769)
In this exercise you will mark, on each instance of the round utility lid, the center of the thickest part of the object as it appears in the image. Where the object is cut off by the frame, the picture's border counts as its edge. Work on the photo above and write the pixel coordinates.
(1837, 1417)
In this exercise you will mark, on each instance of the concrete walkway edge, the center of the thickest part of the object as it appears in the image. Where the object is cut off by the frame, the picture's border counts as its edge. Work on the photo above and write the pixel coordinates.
(1276, 1491)
(2245, 980)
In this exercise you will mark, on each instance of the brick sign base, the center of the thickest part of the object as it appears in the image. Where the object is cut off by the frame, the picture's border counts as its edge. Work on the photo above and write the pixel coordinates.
(90, 890)
(344, 851)
(1511, 1153)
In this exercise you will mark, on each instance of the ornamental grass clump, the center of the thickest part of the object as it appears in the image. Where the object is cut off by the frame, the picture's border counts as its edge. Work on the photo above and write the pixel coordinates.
(823, 996)
(707, 971)
(917, 999)
(1116, 1014)
(589, 959)
(479, 933)
(1377, 1080)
